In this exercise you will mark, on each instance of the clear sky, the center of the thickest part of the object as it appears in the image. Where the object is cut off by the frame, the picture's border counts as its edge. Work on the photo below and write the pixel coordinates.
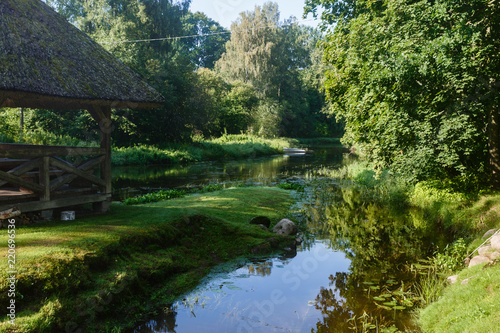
(227, 11)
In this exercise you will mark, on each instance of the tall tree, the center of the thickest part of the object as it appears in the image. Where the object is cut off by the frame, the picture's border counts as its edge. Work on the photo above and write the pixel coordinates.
(208, 43)
(417, 83)
(275, 58)
(252, 53)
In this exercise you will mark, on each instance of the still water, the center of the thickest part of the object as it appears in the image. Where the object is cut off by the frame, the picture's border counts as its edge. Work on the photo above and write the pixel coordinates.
(353, 272)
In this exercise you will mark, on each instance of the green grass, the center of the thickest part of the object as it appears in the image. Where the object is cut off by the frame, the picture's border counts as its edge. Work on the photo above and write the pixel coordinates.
(108, 272)
(226, 147)
(467, 308)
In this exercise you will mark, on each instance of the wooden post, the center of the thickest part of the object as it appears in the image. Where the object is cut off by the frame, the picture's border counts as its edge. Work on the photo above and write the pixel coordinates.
(44, 181)
(103, 116)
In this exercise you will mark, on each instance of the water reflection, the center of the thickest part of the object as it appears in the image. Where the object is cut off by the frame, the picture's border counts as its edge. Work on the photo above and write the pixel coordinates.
(132, 180)
(381, 243)
(349, 275)
(273, 295)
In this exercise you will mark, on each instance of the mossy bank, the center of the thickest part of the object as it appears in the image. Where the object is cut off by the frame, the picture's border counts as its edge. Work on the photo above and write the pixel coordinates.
(107, 273)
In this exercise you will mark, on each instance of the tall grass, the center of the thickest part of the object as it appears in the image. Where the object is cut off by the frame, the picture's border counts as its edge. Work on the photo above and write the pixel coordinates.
(226, 147)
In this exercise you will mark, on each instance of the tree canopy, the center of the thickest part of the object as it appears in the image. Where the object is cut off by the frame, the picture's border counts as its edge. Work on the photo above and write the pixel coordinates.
(212, 82)
(417, 83)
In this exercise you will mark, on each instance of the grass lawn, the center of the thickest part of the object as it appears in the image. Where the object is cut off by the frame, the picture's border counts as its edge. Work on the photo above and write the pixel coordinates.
(473, 307)
(104, 273)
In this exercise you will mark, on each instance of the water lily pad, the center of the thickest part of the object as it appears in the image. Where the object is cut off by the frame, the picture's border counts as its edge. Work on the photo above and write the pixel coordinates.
(231, 287)
(383, 307)
(216, 290)
(399, 307)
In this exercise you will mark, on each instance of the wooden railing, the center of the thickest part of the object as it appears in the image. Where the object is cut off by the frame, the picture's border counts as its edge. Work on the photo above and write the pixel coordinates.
(36, 178)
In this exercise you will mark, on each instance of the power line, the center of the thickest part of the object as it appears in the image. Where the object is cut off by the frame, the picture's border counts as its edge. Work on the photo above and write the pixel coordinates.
(203, 35)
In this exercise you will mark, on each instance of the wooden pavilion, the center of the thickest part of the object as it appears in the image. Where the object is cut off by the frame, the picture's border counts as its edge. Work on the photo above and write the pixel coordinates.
(45, 62)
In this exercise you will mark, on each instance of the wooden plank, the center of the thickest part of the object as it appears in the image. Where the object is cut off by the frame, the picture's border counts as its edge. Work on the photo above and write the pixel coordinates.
(86, 166)
(75, 191)
(17, 197)
(21, 169)
(14, 180)
(7, 164)
(32, 206)
(14, 150)
(58, 163)
(106, 128)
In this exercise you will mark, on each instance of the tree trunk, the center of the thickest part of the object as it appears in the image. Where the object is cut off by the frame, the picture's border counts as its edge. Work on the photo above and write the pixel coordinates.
(494, 147)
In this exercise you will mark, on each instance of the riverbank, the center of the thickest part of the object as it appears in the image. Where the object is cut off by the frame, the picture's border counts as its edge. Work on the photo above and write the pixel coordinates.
(445, 307)
(230, 146)
(105, 273)
(471, 304)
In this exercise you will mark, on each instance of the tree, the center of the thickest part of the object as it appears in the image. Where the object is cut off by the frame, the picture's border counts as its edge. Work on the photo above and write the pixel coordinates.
(416, 83)
(208, 45)
(252, 53)
(275, 58)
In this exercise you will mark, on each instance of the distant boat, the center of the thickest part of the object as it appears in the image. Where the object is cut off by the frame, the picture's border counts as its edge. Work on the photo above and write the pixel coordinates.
(294, 150)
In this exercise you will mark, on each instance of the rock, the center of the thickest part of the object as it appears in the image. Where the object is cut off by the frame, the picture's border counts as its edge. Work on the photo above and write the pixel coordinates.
(494, 255)
(466, 281)
(489, 233)
(452, 279)
(484, 250)
(478, 260)
(495, 242)
(298, 240)
(265, 221)
(285, 227)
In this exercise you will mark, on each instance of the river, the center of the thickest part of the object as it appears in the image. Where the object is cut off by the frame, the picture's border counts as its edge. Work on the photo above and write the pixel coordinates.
(354, 271)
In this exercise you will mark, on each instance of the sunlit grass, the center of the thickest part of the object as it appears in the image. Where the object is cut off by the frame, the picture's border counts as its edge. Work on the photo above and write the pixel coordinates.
(153, 241)
(234, 146)
(472, 307)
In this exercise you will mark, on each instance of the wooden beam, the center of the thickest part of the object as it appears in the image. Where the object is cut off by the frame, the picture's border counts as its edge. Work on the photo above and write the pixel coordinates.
(13, 150)
(105, 143)
(15, 99)
(86, 166)
(32, 206)
(58, 163)
(20, 182)
(23, 168)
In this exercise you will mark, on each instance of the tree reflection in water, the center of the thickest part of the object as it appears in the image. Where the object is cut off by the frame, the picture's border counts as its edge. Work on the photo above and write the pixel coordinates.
(381, 243)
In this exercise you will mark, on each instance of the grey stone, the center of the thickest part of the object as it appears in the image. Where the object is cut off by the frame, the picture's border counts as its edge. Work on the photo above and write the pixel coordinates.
(494, 255)
(484, 250)
(265, 221)
(478, 260)
(495, 242)
(452, 279)
(489, 233)
(285, 227)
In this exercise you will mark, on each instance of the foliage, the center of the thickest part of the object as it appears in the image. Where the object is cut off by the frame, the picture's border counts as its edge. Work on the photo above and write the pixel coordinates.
(169, 194)
(228, 146)
(204, 50)
(415, 82)
(291, 186)
(277, 59)
(453, 256)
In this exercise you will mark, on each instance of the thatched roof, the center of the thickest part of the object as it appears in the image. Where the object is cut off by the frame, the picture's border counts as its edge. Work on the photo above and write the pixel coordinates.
(45, 62)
